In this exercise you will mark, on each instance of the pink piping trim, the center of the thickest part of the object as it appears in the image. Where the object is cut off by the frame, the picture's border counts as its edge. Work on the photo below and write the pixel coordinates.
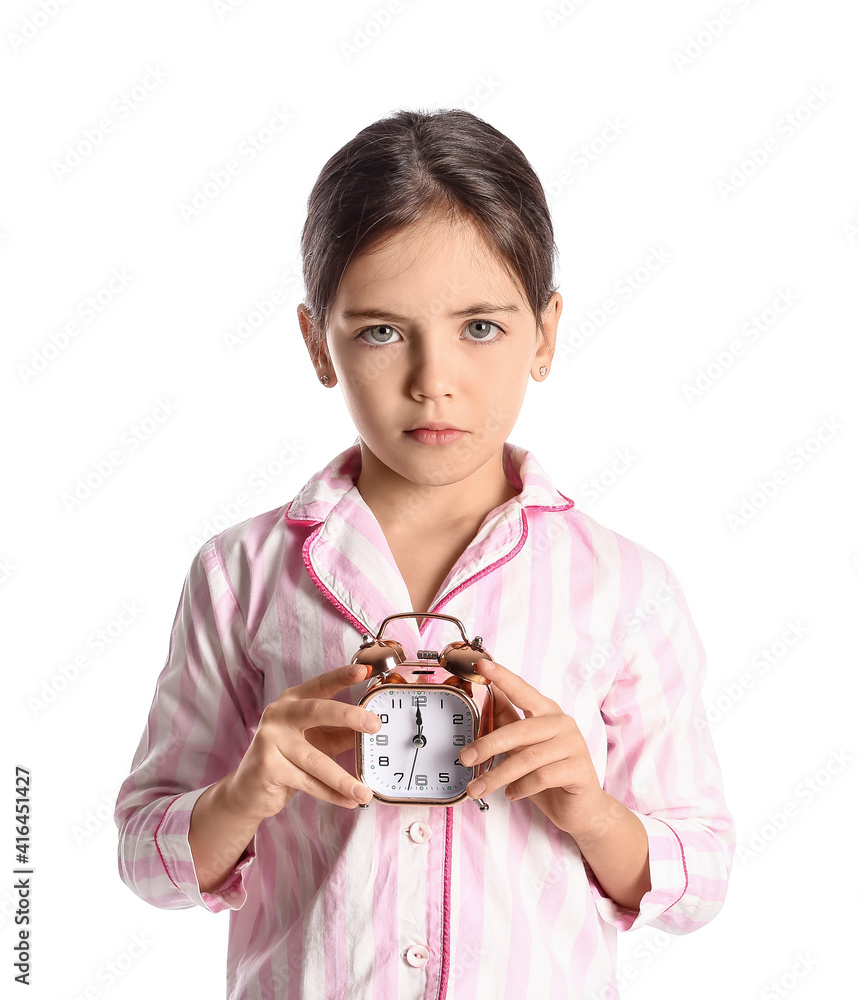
(457, 590)
(155, 838)
(296, 520)
(536, 506)
(310, 523)
(683, 859)
(323, 589)
(486, 569)
(445, 948)
(445, 955)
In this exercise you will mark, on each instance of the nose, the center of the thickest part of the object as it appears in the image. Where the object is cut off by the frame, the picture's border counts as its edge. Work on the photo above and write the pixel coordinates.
(432, 370)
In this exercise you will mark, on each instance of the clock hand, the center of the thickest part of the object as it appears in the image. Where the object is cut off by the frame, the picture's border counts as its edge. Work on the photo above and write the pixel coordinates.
(413, 768)
(419, 740)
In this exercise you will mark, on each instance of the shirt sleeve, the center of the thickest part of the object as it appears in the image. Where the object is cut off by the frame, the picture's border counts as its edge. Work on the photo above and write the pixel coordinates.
(661, 761)
(202, 719)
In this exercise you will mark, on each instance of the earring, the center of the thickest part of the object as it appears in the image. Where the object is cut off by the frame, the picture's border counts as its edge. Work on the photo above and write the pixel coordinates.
(543, 370)
(323, 379)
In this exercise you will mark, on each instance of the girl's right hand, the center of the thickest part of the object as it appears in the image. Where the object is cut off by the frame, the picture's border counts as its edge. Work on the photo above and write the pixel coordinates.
(281, 760)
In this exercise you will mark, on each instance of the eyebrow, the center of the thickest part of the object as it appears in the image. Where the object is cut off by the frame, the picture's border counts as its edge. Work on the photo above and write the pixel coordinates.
(382, 313)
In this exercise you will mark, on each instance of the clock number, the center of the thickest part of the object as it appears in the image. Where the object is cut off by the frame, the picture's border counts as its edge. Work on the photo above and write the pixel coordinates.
(384, 762)
(459, 740)
(443, 777)
(399, 775)
(421, 780)
(381, 740)
(383, 717)
(458, 720)
(419, 699)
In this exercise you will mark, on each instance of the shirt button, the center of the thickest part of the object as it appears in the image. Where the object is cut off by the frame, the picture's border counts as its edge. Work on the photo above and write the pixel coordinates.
(420, 832)
(417, 955)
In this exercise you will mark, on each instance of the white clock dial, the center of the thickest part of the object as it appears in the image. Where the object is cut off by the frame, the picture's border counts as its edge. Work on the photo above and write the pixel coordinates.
(402, 762)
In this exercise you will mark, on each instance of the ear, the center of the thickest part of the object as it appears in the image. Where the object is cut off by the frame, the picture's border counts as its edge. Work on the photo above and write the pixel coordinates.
(546, 345)
(314, 341)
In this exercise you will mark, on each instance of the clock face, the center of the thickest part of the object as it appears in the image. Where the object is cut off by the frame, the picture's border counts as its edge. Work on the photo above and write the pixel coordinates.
(411, 761)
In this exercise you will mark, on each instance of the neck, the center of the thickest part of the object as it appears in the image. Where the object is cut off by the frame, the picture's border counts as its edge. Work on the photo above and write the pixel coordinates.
(400, 504)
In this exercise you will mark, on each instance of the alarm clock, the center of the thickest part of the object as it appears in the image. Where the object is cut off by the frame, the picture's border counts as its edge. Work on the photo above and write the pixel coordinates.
(414, 758)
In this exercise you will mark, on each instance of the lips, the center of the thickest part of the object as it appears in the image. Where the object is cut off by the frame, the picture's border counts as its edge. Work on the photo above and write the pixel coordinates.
(430, 436)
(433, 426)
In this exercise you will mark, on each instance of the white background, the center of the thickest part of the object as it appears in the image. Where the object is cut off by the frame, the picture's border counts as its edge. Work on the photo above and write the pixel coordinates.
(600, 85)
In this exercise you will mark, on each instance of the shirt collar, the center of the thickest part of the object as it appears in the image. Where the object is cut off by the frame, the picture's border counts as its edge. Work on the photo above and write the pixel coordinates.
(324, 490)
(350, 561)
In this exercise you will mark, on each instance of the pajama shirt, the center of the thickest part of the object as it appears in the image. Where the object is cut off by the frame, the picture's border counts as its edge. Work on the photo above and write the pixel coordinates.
(420, 901)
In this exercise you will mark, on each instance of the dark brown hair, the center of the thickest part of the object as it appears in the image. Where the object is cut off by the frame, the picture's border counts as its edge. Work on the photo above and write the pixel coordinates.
(416, 165)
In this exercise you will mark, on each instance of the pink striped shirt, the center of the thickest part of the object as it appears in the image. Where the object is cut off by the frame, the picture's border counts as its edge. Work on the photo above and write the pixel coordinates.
(441, 902)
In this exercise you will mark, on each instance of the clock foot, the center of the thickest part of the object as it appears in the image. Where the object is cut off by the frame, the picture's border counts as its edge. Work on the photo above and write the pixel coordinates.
(363, 805)
(482, 803)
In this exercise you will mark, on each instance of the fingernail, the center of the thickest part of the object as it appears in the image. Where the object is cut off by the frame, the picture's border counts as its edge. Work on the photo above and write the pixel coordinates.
(361, 792)
(477, 788)
(467, 756)
(357, 669)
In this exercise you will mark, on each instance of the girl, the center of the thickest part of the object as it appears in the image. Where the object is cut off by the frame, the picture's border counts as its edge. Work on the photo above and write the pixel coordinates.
(428, 262)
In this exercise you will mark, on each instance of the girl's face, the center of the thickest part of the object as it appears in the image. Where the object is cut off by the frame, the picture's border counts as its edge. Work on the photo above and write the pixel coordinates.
(431, 330)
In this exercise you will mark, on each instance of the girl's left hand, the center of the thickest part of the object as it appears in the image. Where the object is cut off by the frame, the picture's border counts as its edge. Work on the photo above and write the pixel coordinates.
(547, 757)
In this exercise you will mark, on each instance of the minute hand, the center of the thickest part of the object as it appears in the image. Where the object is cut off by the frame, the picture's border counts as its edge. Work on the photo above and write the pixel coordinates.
(418, 742)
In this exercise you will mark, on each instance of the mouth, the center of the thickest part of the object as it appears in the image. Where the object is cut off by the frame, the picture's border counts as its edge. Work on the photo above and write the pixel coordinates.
(431, 425)
(433, 433)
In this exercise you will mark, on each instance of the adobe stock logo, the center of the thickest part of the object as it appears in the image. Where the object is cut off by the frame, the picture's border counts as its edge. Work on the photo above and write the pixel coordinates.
(562, 11)
(35, 22)
(625, 287)
(119, 110)
(585, 155)
(130, 441)
(708, 32)
(721, 360)
(796, 458)
(804, 793)
(595, 487)
(87, 310)
(220, 177)
(366, 33)
(786, 127)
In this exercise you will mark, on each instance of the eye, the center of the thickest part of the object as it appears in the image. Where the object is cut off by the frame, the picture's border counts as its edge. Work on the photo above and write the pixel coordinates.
(383, 339)
(482, 335)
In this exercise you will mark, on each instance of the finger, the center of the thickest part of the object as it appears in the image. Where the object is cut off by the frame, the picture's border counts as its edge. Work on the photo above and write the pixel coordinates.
(524, 733)
(332, 740)
(301, 714)
(505, 711)
(518, 690)
(311, 713)
(330, 682)
(311, 770)
(520, 781)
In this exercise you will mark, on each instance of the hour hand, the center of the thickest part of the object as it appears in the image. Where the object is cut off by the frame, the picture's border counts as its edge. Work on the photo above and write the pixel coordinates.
(419, 740)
